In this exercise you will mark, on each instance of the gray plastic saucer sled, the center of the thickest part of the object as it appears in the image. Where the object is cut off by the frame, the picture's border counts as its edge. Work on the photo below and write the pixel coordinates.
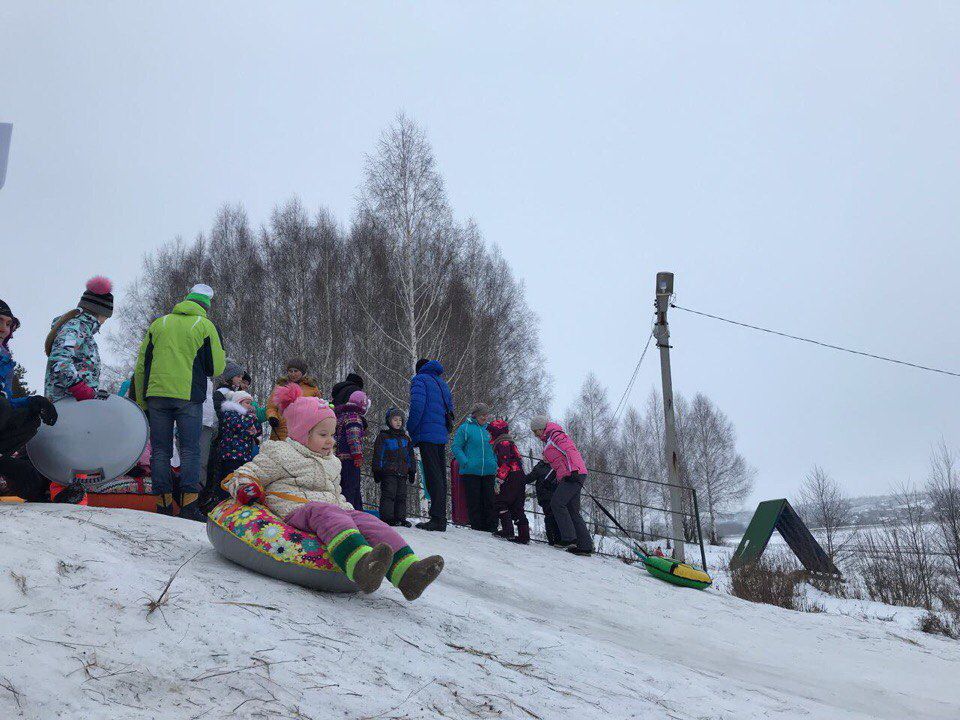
(101, 438)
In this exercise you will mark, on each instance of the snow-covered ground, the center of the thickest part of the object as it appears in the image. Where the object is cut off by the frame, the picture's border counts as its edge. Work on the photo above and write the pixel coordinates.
(506, 632)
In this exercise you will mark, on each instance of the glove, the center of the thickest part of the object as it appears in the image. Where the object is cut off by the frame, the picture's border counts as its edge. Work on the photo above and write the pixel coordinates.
(250, 493)
(274, 422)
(357, 459)
(44, 408)
(82, 391)
(412, 478)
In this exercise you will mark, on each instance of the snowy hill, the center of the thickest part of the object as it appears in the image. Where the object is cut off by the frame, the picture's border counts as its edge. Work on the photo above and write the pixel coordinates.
(506, 632)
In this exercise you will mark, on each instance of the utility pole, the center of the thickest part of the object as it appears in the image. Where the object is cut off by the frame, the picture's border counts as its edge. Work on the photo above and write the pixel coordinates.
(6, 130)
(661, 331)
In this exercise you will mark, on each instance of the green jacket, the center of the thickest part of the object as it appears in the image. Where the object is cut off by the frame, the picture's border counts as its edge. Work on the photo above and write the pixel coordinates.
(472, 448)
(180, 351)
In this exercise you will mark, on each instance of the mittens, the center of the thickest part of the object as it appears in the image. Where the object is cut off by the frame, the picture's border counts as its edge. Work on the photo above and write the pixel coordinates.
(250, 493)
(82, 391)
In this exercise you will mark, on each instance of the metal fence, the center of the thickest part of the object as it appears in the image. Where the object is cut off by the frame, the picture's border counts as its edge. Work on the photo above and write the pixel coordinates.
(645, 521)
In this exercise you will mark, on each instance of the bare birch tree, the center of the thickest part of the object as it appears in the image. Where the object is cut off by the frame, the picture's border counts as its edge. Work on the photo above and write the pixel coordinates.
(823, 506)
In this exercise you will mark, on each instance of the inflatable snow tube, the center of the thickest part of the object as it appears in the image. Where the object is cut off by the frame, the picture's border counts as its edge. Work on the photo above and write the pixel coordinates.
(252, 536)
(677, 573)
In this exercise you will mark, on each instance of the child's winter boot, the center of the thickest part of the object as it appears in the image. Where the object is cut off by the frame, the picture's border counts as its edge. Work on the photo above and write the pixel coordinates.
(523, 534)
(419, 575)
(370, 569)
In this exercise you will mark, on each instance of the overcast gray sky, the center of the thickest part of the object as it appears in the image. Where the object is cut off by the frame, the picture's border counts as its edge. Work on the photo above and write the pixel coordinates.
(796, 165)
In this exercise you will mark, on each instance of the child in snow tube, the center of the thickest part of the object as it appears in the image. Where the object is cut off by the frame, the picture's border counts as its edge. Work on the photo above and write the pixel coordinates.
(298, 479)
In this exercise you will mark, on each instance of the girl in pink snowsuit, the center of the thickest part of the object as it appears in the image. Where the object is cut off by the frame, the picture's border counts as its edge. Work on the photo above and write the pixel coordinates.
(298, 479)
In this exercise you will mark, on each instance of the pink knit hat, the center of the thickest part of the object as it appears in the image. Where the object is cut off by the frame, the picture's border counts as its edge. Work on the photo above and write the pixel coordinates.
(301, 413)
(360, 399)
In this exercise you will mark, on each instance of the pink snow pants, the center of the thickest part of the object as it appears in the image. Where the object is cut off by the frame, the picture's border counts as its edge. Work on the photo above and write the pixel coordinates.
(326, 521)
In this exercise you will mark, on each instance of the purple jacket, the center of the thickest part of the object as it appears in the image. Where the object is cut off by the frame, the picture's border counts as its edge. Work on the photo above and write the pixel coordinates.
(561, 453)
(351, 428)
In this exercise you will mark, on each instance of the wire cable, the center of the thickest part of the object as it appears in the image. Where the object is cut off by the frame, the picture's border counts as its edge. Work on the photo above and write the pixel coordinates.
(820, 343)
(633, 379)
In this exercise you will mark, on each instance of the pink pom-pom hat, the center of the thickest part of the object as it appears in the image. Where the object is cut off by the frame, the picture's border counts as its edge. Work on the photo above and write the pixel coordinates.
(97, 299)
(301, 413)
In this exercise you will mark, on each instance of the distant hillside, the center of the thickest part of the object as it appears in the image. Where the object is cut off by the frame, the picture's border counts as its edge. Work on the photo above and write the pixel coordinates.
(867, 510)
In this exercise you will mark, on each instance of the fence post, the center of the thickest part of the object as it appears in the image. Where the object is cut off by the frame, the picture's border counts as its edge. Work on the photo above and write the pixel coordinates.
(696, 513)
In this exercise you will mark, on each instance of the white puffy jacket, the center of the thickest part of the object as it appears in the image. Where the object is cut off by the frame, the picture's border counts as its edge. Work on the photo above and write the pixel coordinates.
(291, 475)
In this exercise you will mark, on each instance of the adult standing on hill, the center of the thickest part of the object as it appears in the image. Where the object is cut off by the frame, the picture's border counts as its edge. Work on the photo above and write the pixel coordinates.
(341, 392)
(429, 424)
(179, 352)
(296, 375)
(477, 466)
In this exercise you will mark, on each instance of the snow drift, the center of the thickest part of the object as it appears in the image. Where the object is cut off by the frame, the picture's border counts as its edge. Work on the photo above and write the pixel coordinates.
(506, 632)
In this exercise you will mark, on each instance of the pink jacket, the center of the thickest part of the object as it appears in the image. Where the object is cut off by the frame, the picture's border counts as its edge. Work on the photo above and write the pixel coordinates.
(561, 453)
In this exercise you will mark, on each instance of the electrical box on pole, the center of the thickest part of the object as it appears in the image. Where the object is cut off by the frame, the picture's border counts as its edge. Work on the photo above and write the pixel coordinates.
(661, 331)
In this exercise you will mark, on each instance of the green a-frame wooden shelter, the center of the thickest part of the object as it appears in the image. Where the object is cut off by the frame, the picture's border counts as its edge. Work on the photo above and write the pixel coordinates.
(779, 515)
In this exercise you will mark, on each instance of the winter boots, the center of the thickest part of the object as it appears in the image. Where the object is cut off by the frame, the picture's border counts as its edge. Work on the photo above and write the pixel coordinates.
(372, 568)
(419, 575)
(432, 525)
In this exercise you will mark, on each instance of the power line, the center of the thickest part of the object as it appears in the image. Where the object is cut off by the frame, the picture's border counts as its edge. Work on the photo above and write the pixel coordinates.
(818, 342)
(633, 379)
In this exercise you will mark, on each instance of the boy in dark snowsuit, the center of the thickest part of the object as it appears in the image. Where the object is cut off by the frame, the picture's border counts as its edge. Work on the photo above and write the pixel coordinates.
(544, 480)
(394, 465)
(511, 488)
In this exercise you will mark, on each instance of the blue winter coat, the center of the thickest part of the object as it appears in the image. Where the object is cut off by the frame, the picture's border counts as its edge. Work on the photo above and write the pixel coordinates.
(430, 399)
(472, 448)
(7, 366)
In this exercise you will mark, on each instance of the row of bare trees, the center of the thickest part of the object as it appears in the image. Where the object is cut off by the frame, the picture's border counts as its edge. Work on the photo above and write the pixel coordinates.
(405, 280)
(910, 557)
(619, 449)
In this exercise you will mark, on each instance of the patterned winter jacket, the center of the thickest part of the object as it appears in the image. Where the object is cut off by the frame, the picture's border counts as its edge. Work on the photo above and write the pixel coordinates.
(74, 356)
(393, 454)
(290, 474)
(351, 429)
(239, 433)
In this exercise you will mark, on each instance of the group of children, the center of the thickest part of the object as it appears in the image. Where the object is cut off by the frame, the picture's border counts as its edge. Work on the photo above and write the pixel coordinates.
(309, 470)
(558, 480)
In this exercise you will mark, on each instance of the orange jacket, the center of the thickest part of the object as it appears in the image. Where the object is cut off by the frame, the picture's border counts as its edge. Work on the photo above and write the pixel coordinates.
(309, 388)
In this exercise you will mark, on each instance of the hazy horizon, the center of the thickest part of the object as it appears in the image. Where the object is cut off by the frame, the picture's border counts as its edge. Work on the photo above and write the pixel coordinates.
(796, 166)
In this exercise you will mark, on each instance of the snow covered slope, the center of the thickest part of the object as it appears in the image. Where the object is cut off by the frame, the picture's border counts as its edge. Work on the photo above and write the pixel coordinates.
(507, 632)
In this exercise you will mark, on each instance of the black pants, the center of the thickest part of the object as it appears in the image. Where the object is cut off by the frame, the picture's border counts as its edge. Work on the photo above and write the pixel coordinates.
(566, 510)
(479, 489)
(509, 505)
(545, 490)
(393, 498)
(17, 426)
(350, 483)
(434, 458)
(23, 480)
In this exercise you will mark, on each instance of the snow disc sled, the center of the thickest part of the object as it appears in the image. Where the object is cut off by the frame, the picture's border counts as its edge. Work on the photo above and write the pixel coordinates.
(252, 536)
(675, 572)
(93, 441)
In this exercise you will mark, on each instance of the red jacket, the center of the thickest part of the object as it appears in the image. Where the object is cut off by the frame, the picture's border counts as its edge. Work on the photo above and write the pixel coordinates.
(561, 453)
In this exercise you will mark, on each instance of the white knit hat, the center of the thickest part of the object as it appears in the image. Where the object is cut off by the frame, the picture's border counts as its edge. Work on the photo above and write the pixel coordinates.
(238, 396)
